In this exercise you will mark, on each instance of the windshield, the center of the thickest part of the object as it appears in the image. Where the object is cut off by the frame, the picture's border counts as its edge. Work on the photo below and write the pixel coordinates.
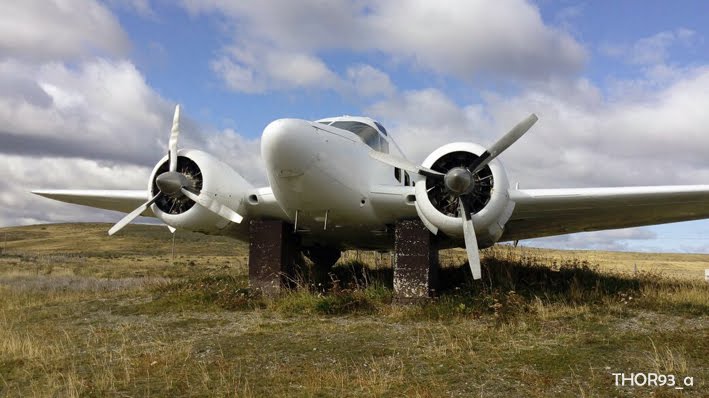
(367, 133)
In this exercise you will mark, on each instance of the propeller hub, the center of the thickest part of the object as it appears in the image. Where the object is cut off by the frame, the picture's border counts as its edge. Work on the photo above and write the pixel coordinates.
(170, 183)
(459, 180)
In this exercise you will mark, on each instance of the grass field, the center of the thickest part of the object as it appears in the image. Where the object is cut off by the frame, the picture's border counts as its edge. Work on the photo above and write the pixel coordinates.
(82, 314)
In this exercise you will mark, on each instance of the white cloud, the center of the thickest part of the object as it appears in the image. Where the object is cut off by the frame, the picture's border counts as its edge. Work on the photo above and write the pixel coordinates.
(464, 39)
(100, 109)
(256, 69)
(581, 139)
(241, 153)
(654, 49)
(369, 81)
(94, 126)
(422, 120)
(651, 50)
(299, 70)
(238, 77)
(70, 118)
(305, 25)
(43, 30)
(614, 240)
(140, 7)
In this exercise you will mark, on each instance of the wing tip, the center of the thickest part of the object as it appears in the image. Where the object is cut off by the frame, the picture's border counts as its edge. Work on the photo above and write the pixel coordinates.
(41, 192)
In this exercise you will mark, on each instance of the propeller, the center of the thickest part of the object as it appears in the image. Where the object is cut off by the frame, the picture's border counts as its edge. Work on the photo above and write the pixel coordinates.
(176, 185)
(471, 241)
(172, 143)
(503, 143)
(460, 182)
(404, 164)
(132, 215)
(213, 205)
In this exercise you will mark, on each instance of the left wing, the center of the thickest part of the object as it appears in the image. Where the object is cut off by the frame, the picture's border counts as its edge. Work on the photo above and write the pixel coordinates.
(546, 212)
(119, 200)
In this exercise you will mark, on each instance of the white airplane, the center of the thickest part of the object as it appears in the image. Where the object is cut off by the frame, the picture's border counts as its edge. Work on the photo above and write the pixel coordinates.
(344, 183)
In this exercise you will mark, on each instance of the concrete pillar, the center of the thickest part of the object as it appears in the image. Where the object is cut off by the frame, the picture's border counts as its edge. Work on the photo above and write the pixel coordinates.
(415, 263)
(273, 251)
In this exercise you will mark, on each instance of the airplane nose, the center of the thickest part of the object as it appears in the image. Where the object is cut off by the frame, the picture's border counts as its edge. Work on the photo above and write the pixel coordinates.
(289, 146)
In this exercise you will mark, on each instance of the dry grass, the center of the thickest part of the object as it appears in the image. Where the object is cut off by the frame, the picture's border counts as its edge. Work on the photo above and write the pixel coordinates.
(82, 314)
(677, 265)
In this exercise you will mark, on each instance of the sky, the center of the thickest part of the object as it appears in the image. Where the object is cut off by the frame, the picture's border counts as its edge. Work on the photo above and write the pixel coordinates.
(87, 90)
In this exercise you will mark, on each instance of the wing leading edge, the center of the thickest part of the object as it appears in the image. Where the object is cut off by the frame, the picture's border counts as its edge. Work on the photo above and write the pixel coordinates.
(119, 200)
(547, 212)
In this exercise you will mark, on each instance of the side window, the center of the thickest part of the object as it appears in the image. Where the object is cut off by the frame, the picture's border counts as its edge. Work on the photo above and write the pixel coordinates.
(397, 174)
(384, 145)
(407, 179)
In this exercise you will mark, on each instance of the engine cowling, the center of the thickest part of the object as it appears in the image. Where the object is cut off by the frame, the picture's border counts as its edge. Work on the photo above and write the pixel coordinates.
(204, 173)
(489, 201)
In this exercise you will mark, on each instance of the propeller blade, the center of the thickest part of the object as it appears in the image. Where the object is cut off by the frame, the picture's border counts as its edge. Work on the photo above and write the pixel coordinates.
(396, 161)
(503, 143)
(174, 133)
(213, 205)
(172, 229)
(132, 215)
(471, 241)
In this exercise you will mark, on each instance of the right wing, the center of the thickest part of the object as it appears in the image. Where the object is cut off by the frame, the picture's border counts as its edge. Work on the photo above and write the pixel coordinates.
(119, 200)
(546, 212)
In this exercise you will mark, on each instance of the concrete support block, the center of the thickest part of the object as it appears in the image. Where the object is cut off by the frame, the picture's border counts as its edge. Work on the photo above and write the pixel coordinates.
(415, 263)
(273, 250)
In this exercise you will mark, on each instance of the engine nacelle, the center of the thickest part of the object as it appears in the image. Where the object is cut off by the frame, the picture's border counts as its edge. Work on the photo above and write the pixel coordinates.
(489, 201)
(206, 174)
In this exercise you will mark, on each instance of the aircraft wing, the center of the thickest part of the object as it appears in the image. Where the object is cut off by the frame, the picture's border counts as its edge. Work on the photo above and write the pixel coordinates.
(546, 212)
(119, 200)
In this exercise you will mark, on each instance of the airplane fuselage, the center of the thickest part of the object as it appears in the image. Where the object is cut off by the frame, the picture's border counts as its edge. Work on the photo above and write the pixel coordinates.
(324, 180)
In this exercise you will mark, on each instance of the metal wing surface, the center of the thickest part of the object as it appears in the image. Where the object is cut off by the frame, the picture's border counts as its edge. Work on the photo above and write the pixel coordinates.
(119, 200)
(546, 212)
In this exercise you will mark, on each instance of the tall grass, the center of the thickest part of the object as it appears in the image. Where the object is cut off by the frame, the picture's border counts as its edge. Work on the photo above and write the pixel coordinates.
(533, 326)
(513, 283)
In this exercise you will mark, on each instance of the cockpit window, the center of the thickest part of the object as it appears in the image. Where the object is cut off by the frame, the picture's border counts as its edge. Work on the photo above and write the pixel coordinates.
(381, 128)
(325, 123)
(367, 133)
(361, 129)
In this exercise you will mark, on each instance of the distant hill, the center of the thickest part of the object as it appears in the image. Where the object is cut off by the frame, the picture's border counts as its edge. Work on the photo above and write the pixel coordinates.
(92, 239)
